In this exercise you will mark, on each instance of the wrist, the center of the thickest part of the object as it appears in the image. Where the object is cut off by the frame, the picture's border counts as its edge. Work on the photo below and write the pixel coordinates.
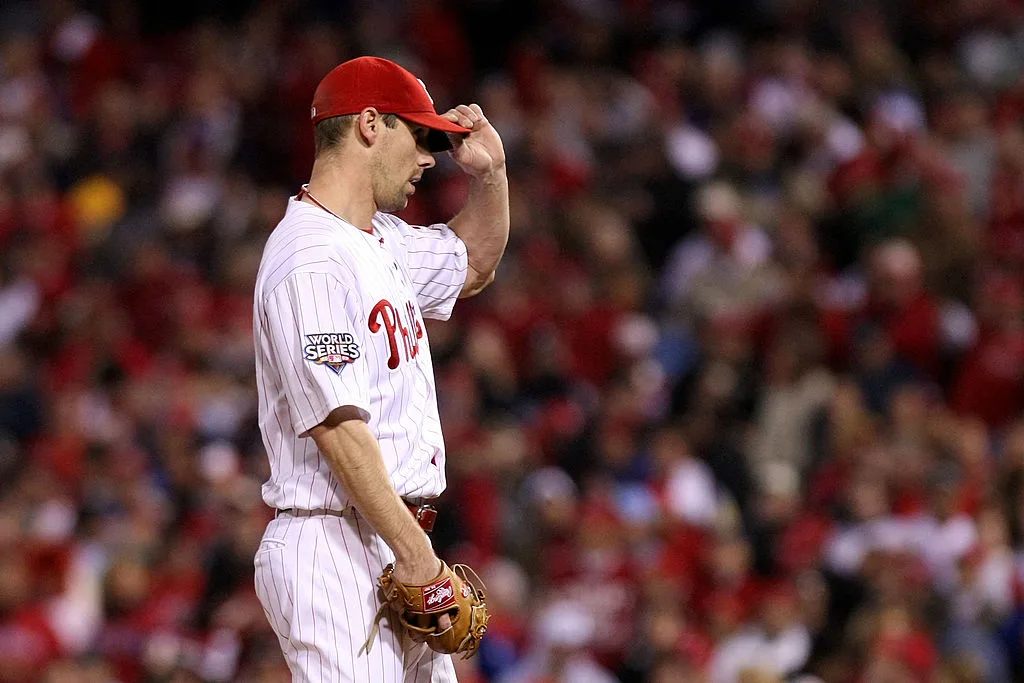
(415, 551)
(492, 176)
(418, 568)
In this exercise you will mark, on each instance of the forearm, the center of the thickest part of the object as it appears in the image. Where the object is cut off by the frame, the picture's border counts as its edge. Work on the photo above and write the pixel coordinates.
(483, 225)
(354, 456)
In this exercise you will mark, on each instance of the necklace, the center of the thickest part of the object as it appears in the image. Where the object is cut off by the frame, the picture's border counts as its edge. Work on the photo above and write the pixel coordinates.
(305, 191)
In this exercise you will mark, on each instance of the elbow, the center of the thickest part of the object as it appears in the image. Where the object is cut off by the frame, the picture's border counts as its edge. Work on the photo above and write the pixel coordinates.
(476, 284)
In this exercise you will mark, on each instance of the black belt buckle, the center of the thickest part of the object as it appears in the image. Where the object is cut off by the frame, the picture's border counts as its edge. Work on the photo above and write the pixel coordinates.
(425, 516)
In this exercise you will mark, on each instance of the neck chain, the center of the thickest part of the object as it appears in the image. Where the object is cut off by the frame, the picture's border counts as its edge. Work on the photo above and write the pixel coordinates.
(305, 191)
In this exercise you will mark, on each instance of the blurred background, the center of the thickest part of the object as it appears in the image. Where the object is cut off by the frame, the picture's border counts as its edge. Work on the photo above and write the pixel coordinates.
(745, 403)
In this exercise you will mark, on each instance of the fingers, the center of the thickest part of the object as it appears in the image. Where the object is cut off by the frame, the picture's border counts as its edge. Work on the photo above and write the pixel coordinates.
(444, 622)
(466, 115)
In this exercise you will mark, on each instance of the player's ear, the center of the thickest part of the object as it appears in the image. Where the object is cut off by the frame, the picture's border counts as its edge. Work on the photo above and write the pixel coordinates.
(368, 125)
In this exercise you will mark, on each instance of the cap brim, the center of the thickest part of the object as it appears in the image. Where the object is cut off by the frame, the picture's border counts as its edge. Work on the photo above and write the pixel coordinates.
(438, 140)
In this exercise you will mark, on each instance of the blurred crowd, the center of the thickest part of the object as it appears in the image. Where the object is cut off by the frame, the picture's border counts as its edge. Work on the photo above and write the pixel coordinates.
(745, 403)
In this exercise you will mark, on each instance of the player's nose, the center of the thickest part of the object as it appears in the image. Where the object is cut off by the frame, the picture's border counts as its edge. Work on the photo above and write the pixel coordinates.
(426, 159)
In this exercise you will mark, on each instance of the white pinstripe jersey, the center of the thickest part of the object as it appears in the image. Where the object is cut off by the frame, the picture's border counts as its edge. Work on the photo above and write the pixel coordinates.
(338, 321)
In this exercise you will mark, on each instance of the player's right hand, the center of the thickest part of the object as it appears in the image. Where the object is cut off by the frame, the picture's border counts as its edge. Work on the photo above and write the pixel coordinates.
(419, 573)
(416, 571)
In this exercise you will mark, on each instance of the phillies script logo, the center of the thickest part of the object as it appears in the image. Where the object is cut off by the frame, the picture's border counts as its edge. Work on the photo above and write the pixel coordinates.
(397, 326)
(331, 349)
(439, 596)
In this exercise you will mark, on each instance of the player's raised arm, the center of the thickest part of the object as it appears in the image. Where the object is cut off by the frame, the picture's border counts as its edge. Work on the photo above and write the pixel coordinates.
(483, 222)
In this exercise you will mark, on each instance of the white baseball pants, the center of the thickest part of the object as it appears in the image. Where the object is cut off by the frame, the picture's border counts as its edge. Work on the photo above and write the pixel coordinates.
(317, 580)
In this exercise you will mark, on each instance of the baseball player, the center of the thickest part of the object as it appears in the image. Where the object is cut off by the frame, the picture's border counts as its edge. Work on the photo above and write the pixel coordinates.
(348, 409)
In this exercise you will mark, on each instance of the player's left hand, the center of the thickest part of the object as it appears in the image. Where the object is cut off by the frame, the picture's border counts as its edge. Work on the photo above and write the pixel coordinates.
(481, 151)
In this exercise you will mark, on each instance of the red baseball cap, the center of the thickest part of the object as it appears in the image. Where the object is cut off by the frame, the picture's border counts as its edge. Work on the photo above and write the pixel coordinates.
(376, 82)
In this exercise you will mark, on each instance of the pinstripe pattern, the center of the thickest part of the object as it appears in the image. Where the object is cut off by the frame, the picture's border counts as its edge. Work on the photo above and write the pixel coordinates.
(332, 563)
(320, 275)
(316, 576)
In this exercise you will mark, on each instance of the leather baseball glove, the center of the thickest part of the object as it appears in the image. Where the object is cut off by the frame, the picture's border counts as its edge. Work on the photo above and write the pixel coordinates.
(419, 606)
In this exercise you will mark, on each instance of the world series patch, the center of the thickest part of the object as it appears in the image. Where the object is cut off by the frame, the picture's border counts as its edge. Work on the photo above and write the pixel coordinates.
(333, 349)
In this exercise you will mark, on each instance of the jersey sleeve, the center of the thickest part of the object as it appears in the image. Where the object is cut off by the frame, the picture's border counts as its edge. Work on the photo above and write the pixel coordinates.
(438, 262)
(312, 322)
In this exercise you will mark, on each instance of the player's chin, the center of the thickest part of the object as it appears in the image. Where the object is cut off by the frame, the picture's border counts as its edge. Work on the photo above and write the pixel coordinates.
(396, 204)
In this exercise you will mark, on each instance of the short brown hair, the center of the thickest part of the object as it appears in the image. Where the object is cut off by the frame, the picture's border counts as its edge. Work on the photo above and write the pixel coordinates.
(327, 133)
